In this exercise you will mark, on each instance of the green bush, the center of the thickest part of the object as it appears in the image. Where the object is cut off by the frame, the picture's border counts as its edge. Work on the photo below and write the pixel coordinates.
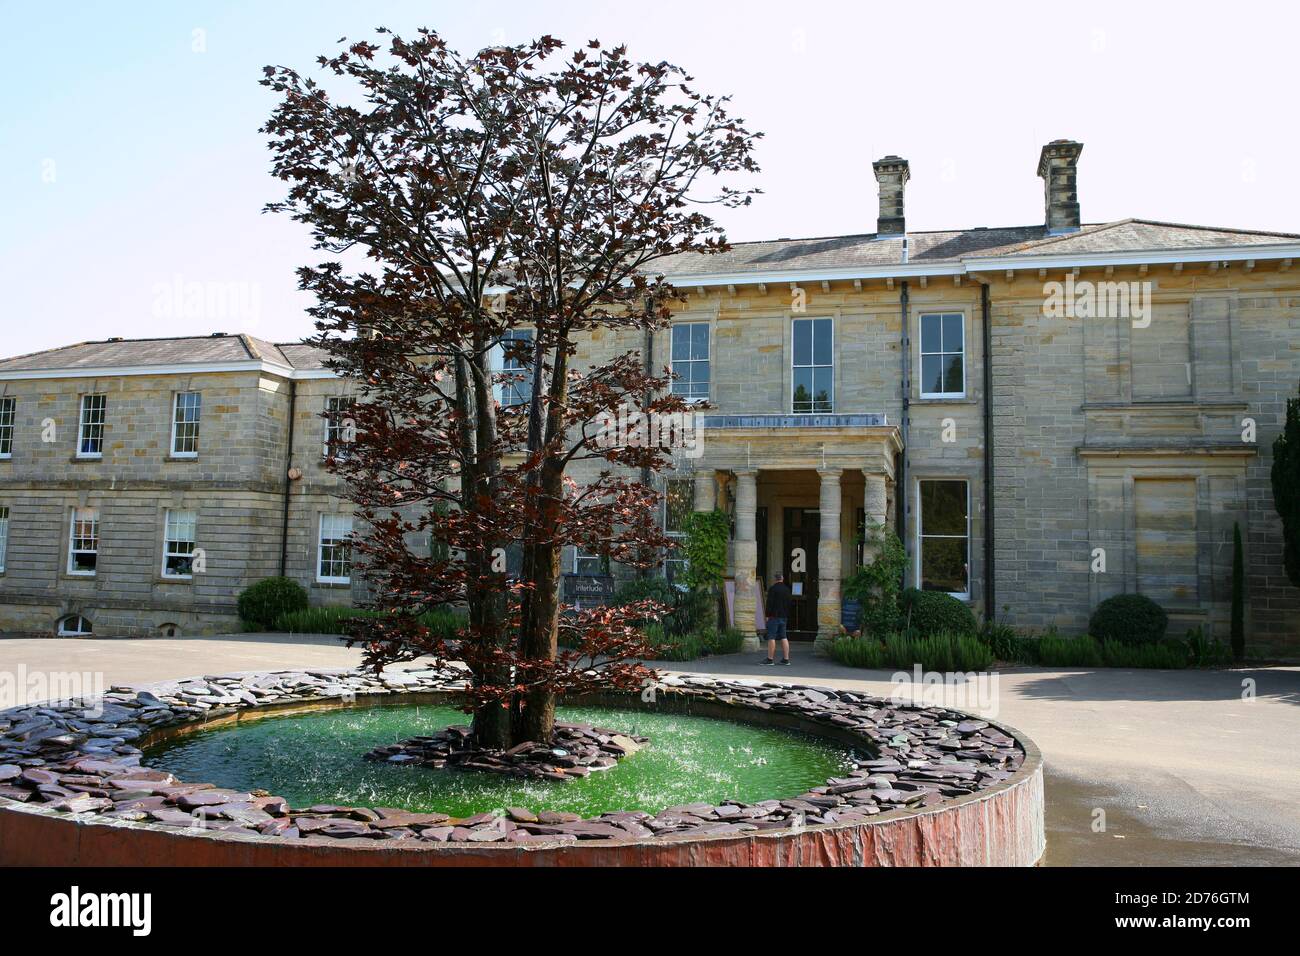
(1087, 651)
(858, 652)
(688, 647)
(688, 611)
(1206, 652)
(1007, 644)
(876, 585)
(337, 620)
(930, 612)
(933, 652)
(1129, 619)
(261, 604)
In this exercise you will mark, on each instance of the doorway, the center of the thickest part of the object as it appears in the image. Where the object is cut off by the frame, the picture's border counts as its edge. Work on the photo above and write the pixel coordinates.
(802, 534)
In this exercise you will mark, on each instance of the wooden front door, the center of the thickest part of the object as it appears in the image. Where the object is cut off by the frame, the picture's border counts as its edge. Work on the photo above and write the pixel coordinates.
(802, 532)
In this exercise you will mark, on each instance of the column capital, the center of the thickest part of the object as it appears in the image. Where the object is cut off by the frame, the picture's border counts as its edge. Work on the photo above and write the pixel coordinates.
(830, 472)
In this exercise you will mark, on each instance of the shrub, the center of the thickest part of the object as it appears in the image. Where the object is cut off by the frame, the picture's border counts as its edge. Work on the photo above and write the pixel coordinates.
(261, 604)
(1129, 619)
(688, 611)
(337, 620)
(875, 586)
(858, 652)
(1087, 651)
(930, 612)
(669, 647)
(1007, 644)
(933, 652)
(727, 641)
(1206, 652)
(1285, 480)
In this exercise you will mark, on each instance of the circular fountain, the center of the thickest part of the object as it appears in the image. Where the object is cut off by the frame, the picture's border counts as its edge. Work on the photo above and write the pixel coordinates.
(267, 769)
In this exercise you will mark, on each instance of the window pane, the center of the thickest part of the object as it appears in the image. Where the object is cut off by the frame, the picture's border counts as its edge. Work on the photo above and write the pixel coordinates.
(4, 536)
(952, 337)
(943, 565)
(931, 326)
(7, 425)
(822, 343)
(823, 379)
(931, 373)
(943, 507)
(681, 342)
(700, 340)
(803, 387)
(952, 373)
(802, 342)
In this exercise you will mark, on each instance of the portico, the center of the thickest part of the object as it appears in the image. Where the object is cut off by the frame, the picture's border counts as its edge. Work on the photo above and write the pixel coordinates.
(798, 488)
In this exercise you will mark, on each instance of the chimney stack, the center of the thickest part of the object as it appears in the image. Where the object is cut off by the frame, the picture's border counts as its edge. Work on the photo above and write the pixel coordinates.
(1058, 166)
(892, 173)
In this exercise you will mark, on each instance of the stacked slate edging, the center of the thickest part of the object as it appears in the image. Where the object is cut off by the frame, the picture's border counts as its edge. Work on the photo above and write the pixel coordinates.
(82, 758)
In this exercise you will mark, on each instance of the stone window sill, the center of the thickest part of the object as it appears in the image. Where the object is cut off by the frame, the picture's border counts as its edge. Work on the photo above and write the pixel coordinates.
(945, 401)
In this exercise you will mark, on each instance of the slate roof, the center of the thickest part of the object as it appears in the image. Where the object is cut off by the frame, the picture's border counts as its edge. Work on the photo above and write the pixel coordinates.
(186, 350)
(777, 255)
(836, 252)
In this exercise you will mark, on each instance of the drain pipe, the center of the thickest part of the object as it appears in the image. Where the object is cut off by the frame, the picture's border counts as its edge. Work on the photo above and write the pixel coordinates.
(649, 360)
(990, 599)
(902, 500)
(288, 480)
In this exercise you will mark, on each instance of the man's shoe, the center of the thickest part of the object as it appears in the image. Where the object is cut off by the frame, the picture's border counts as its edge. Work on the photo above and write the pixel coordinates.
(786, 662)
(769, 662)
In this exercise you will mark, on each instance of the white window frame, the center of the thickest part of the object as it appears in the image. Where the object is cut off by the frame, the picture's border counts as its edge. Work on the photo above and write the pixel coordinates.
(168, 541)
(335, 541)
(83, 423)
(920, 539)
(176, 422)
(64, 632)
(921, 353)
(8, 424)
(497, 364)
(812, 318)
(707, 360)
(579, 556)
(339, 402)
(4, 536)
(73, 550)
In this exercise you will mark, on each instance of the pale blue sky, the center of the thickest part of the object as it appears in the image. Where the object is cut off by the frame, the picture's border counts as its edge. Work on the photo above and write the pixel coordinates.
(129, 162)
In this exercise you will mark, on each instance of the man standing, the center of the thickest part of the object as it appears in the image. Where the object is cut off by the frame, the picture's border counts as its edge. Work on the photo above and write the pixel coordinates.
(778, 613)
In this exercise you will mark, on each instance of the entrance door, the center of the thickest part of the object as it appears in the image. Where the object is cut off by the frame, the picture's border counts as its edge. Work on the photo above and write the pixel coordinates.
(802, 532)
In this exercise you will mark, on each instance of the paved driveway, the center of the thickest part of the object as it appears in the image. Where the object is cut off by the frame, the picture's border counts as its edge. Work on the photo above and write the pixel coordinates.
(1187, 770)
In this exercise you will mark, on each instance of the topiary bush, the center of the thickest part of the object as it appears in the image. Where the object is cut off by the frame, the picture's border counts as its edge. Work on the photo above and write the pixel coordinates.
(930, 612)
(1129, 619)
(261, 604)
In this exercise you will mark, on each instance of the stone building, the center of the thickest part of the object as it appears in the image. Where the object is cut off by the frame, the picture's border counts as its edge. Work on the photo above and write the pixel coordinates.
(144, 483)
(1047, 414)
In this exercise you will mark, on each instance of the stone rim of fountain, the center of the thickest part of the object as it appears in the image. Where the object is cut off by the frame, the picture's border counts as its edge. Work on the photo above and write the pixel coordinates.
(33, 737)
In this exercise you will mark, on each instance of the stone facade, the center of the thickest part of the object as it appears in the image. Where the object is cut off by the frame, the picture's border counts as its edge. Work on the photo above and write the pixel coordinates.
(1137, 377)
(235, 486)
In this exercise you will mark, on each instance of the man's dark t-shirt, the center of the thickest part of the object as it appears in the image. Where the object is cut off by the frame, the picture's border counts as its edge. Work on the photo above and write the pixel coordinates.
(778, 601)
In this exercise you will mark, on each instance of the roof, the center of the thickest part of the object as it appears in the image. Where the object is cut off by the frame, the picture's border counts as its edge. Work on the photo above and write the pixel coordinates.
(866, 255)
(964, 246)
(182, 353)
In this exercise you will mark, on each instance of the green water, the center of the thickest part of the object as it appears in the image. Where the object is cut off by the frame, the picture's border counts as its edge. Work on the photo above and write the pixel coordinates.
(317, 758)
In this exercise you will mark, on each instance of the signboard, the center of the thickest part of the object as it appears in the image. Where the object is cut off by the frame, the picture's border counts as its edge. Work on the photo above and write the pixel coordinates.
(587, 590)
(851, 614)
(793, 421)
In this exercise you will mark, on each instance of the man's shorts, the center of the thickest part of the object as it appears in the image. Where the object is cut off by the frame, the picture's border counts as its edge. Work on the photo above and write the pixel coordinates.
(776, 629)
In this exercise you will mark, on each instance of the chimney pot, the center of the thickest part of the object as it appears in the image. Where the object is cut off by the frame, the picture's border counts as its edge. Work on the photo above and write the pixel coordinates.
(1058, 166)
(892, 173)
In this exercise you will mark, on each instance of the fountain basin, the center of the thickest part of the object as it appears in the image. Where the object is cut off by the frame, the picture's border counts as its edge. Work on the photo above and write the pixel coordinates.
(999, 821)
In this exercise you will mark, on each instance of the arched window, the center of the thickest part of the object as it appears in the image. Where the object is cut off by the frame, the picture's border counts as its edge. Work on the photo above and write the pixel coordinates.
(74, 625)
(169, 630)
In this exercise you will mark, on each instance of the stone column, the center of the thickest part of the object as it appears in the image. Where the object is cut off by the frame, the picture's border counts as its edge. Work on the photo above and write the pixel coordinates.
(706, 490)
(830, 551)
(875, 504)
(746, 555)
